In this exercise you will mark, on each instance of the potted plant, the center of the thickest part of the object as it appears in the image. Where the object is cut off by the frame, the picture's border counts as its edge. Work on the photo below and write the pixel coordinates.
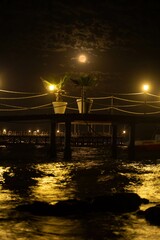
(56, 86)
(84, 81)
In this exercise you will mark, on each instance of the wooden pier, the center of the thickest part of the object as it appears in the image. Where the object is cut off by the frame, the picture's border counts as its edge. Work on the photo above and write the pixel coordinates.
(68, 119)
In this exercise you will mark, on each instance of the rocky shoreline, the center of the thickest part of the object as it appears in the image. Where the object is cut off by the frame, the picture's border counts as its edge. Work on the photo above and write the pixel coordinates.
(117, 203)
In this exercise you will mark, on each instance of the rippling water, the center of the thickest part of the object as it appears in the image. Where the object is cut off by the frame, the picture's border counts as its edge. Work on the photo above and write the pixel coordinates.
(90, 173)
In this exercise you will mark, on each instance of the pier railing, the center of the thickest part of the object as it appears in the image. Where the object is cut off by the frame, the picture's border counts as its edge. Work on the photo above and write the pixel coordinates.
(76, 141)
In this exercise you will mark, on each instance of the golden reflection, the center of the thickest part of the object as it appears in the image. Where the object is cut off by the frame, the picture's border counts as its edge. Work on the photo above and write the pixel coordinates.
(136, 228)
(56, 182)
(146, 185)
(5, 194)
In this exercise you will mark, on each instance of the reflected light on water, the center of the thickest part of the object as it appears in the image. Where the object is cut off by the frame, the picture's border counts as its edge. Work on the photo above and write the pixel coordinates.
(136, 229)
(146, 181)
(55, 182)
(89, 174)
(5, 194)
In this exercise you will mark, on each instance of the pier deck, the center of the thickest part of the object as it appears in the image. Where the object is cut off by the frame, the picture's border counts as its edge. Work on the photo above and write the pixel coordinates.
(70, 118)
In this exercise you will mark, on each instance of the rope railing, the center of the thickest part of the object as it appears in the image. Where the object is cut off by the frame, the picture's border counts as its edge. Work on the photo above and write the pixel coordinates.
(128, 100)
(100, 109)
(18, 108)
(28, 97)
(15, 92)
(128, 112)
(152, 106)
(114, 102)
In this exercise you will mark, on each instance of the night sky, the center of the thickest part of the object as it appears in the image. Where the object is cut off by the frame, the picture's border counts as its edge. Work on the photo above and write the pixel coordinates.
(42, 38)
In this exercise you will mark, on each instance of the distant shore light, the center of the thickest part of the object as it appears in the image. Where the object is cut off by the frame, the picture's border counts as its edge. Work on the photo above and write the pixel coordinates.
(4, 131)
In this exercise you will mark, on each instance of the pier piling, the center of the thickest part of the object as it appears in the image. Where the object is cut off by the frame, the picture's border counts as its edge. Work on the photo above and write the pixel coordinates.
(53, 149)
(131, 147)
(114, 142)
(67, 140)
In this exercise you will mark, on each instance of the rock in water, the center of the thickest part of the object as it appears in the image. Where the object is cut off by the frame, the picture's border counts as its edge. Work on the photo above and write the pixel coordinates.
(72, 207)
(152, 215)
(118, 202)
(61, 208)
(37, 208)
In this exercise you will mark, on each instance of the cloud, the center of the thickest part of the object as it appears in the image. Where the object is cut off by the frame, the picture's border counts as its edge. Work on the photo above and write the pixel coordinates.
(56, 26)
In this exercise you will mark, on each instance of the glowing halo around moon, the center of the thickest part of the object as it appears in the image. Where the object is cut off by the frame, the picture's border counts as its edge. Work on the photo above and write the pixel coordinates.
(82, 58)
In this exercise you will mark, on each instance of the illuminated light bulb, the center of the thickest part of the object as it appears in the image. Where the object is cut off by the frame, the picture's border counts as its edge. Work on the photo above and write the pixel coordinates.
(52, 87)
(145, 87)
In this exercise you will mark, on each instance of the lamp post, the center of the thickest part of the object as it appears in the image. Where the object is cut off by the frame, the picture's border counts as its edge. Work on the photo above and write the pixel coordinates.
(82, 59)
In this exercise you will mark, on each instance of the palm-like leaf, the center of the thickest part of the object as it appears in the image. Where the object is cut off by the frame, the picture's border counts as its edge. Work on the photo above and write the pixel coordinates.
(58, 83)
(85, 81)
(46, 84)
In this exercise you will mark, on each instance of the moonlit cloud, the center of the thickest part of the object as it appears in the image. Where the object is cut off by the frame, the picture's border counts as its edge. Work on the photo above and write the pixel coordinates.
(118, 36)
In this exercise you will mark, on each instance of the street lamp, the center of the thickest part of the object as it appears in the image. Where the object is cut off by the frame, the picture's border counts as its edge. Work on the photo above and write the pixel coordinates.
(145, 90)
(52, 87)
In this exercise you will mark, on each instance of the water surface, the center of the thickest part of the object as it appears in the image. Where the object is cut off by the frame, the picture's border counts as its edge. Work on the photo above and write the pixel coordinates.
(90, 173)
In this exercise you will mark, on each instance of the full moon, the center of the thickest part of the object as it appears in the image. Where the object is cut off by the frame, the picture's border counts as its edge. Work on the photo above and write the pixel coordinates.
(82, 58)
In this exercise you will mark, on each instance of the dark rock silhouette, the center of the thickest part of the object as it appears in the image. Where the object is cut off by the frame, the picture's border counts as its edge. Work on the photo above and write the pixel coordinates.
(152, 215)
(61, 208)
(117, 203)
(71, 207)
(37, 208)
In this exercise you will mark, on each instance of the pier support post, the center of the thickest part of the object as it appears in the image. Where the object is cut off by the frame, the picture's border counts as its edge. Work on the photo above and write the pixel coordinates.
(53, 148)
(67, 140)
(131, 147)
(114, 142)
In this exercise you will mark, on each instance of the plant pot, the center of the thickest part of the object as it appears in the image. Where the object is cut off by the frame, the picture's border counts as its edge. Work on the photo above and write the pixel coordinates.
(87, 104)
(59, 107)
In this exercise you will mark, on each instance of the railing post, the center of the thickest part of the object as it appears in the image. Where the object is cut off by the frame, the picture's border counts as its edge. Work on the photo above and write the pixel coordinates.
(67, 140)
(53, 148)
